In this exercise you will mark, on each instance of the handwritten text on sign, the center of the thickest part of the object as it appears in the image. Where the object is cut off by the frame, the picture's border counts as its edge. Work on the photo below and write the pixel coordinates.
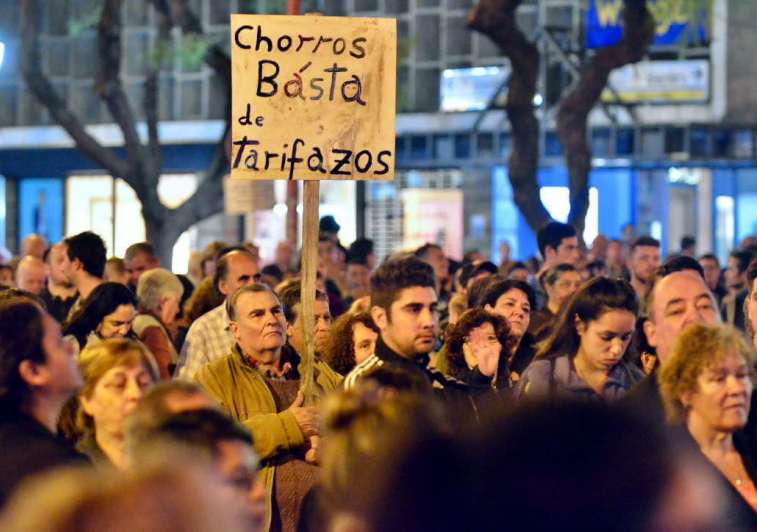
(313, 97)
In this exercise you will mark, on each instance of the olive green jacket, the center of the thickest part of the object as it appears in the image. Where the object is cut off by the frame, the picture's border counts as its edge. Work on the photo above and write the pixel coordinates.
(243, 393)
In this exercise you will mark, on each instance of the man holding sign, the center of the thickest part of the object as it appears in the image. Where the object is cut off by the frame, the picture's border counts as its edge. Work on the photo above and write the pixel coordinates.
(312, 98)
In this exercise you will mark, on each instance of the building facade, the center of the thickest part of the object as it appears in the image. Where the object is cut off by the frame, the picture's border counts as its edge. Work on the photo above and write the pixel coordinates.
(678, 159)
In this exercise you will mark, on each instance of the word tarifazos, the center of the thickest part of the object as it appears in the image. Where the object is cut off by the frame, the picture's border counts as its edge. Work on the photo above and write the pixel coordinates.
(345, 163)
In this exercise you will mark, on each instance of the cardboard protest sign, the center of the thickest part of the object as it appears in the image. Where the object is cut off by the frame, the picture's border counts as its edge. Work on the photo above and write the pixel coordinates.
(313, 97)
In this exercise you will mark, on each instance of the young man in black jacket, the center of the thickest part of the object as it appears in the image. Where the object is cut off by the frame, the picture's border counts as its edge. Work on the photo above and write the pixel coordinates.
(38, 373)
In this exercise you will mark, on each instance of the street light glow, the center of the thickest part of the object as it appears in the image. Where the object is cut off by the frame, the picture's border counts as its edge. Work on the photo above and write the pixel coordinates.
(2, 53)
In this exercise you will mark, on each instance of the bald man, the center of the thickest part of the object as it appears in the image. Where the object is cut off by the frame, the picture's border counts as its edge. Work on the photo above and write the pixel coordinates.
(675, 302)
(31, 274)
(33, 245)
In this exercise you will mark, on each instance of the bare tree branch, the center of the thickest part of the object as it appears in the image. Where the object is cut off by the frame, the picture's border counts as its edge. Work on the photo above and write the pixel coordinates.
(496, 20)
(108, 86)
(44, 91)
(180, 14)
(572, 117)
(208, 198)
(151, 100)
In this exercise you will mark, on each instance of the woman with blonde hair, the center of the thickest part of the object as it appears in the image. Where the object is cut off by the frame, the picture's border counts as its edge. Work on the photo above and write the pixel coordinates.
(116, 373)
(706, 386)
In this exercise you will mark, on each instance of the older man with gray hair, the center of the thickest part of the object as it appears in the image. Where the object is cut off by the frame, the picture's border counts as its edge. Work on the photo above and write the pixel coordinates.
(158, 297)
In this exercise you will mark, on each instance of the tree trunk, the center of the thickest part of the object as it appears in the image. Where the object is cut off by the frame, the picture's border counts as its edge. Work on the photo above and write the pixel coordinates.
(573, 114)
(142, 166)
(496, 20)
(162, 234)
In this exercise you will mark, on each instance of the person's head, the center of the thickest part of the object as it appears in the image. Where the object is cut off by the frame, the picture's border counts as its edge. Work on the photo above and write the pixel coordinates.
(35, 361)
(6, 275)
(750, 304)
(403, 305)
(735, 274)
(433, 255)
(688, 246)
(33, 246)
(328, 227)
(213, 434)
(477, 340)
(599, 247)
(362, 249)
(560, 283)
(614, 255)
(30, 275)
(597, 268)
(86, 256)
(358, 278)
(674, 302)
(711, 268)
(283, 255)
(159, 293)
(597, 324)
(291, 297)
(644, 259)
(170, 492)
(472, 272)
(203, 299)
(558, 244)
(680, 263)
(159, 403)
(271, 275)
(210, 257)
(235, 269)
(117, 373)
(597, 446)
(512, 300)
(139, 258)
(351, 340)
(107, 312)
(115, 271)
(257, 322)
(360, 426)
(518, 271)
(56, 258)
(707, 379)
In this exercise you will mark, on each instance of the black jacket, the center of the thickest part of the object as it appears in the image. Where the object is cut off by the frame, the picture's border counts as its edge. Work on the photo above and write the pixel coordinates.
(29, 448)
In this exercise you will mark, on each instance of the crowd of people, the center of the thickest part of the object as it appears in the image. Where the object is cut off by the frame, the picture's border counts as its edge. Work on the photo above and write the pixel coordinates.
(594, 389)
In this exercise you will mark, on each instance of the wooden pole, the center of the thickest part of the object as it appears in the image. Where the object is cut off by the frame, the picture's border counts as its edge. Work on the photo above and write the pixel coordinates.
(293, 8)
(311, 190)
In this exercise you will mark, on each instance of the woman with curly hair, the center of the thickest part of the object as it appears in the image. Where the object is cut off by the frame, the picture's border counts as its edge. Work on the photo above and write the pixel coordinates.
(475, 345)
(477, 374)
(351, 340)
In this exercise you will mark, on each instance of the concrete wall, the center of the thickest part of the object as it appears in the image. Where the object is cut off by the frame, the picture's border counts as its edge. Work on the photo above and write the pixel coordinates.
(742, 68)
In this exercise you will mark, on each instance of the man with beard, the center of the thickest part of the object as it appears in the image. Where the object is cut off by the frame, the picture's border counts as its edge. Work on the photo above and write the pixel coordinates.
(404, 308)
(643, 261)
